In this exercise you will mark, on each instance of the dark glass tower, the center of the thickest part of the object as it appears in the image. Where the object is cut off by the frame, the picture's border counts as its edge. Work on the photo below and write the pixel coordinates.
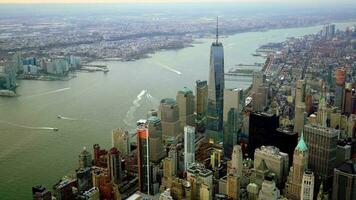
(216, 90)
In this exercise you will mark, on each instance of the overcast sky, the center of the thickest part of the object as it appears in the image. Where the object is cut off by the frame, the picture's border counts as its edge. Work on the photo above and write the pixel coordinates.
(181, 1)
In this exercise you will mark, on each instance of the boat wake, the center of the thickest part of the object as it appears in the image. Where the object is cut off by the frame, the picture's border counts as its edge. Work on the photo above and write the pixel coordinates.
(129, 119)
(50, 92)
(28, 127)
(169, 68)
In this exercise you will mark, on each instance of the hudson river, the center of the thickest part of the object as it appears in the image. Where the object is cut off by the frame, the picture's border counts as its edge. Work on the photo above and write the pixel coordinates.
(95, 103)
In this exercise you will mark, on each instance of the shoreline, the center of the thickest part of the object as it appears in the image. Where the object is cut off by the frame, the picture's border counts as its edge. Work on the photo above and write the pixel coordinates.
(196, 40)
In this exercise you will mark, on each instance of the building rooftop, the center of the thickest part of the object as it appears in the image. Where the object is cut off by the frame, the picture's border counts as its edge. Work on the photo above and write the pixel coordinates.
(169, 101)
(301, 146)
(348, 167)
(153, 120)
(185, 90)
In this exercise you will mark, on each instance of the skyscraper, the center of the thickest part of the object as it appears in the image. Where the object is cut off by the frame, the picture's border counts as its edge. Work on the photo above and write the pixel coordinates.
(201, 104)
(185, 101)
(39, 192)
(85, 159)
(114, 164)
(322, 110)
(198, 176)
(216, 87)
(322, 143)
(276, 162)
(258, 79)
(299, 118)
(156, 144)
(295, 177)
(84, 179)
(268, 191)
(233, 119)
(344, 186)
(143, 160)
(236, 160)
(307, 190)
(339, 87)
(169, 115)
(189, 146)
(121, 140)
(233, 186)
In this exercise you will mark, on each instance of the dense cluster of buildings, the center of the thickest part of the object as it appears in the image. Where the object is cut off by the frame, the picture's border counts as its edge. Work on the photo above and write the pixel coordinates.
(126, 37)
(295, 139)
(18, 67)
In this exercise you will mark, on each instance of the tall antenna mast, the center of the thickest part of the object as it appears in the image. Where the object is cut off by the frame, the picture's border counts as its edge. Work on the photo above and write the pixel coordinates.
(217, 30)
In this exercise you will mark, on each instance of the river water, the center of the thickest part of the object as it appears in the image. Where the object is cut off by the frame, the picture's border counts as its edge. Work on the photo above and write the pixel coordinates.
(95, 103)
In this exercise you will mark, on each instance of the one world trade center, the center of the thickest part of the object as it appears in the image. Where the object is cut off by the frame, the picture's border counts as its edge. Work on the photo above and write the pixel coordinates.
(216, 89)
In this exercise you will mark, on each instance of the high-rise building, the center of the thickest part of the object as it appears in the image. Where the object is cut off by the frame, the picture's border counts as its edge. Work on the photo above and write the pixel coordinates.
(185, 101)
(85, 159)
(264, 130)
(252, 189)
(143, 160)
(91, 194)
(300, 108)
(39, 192)
(216, 155)
(322, 111)
(216, 87)
(260, 99)
(121, 141)
(295, 177)
(84, 179)
(63, 189)
(321, 142)
(276, 162)
(299, 118)
(339, 87)
(7, 78)
(101, 180)
(169, 115)
(233, 186)
(344, 185)
(350, 99)
(156, 143)
(268, 191)
(100, 156)
(114, 164)
(201, 104)
(233, 118)
(236, 161)
(198, 175)
(307, 190)
(300, 91)
(258, 79)
(189, 146)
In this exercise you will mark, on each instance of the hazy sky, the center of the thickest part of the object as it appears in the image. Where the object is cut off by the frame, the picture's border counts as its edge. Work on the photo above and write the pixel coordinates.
(177, 1)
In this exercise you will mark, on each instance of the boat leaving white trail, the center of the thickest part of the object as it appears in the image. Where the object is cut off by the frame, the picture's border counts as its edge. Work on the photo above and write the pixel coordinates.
(168, 68)
(129, 119)
(28, 127)
(50, 92)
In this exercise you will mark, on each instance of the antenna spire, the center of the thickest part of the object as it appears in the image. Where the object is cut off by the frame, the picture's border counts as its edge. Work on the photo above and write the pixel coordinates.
(217, 30)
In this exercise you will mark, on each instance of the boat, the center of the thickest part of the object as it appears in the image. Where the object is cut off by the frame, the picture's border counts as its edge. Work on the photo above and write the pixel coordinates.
(59, 116)
(257, 54)
(55, 129)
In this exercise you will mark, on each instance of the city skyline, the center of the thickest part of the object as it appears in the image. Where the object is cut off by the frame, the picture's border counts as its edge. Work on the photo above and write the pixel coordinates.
(173, 111)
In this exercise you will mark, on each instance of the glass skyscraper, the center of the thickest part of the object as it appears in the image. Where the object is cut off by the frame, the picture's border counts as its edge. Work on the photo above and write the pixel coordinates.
(216, 90)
